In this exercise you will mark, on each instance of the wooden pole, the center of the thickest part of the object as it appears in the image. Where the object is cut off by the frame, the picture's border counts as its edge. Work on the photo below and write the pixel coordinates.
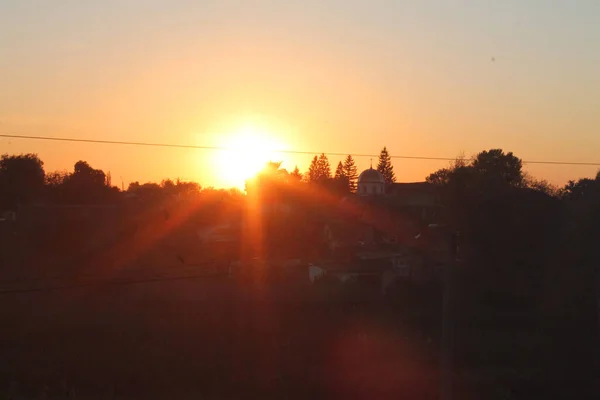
(448, 305)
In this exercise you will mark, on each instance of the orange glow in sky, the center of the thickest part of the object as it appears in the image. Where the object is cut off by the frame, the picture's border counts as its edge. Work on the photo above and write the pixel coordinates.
(424, 78)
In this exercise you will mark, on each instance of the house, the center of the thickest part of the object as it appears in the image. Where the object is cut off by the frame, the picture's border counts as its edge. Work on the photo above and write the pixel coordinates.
(384, 231)
(383, 267)
(8, 216)
(222, 233)
(419, 194)
(341, 235)
(398, 211)
(346, 271)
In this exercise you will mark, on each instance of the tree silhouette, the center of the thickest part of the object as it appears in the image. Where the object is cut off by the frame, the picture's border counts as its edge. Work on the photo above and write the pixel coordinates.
(339, 171)
(168, 186)
(351, 172)
(296, 175)
(341, 183)
(183, 188)
(273, 169)
(56, 178)
(21, 179)
(494, 165)
(269, 182)
(149, 190)
(581, 189)
(491, 169)
(84, 174)
(540, 185)
(55, 187)
(324, 167)
(384, 166)
(313, 170)
(319, 170)
(439, 177)
(87, 185)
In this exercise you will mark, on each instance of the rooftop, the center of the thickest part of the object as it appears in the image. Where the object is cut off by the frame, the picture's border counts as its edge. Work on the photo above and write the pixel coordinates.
(371, 176)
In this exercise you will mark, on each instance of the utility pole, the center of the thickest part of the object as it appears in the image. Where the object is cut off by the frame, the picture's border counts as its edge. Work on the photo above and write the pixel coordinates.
(448, 308)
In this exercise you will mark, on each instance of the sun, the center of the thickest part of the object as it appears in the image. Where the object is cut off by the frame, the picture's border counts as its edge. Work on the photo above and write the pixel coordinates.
(246, 151)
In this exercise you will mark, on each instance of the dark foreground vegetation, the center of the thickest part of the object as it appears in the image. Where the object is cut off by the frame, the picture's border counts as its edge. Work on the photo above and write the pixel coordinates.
(125, 301)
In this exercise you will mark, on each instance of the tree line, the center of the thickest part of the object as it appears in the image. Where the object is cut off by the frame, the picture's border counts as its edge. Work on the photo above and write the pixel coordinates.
(345, 176)
(23, 179)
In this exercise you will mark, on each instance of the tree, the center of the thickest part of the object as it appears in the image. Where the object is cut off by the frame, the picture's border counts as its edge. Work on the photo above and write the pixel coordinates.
(384, 166)
(492, 169)
(296, 175)
(351, 172)
(341, 183)
(269, 182)
(147, 190)
(339, 171)
(168, 187)
(56, 178)
(313, 170)
(319, 170)
(87, 185)
(21, 179)
(274, 170)
(439, 177)
(324, 167)
(84, 174)
(183, 188)
(540, 185)
(54, 183)
(576, 190)
(494, 166)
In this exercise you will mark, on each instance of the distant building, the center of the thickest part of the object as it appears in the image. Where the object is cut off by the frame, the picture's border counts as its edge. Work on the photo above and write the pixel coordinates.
(56, 215)
(342, 236)
(370, 183)
(414, 193)
(222, 233)
(397, 204)
(383, 217)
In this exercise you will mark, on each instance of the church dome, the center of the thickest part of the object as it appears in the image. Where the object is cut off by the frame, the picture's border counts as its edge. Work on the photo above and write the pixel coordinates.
(371, 176)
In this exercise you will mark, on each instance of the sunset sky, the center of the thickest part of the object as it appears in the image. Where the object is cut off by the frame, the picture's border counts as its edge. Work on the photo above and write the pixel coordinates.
(424, 78)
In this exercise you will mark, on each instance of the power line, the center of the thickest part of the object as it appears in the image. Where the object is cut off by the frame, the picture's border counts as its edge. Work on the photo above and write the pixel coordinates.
(200, 147)
(222, 148)
(110, 283)
(97, 277)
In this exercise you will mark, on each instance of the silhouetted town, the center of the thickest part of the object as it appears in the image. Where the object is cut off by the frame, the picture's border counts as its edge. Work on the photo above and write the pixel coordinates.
(258, 283)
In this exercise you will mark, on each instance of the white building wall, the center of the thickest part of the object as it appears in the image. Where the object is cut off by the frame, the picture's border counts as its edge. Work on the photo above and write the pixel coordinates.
(370, 188)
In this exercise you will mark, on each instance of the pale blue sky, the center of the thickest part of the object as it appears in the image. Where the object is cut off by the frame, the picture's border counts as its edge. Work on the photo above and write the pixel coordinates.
(347, 76)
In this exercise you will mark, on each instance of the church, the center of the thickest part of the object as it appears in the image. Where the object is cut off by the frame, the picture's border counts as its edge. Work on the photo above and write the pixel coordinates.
(416, 203)
(371, 184)
(381, 217)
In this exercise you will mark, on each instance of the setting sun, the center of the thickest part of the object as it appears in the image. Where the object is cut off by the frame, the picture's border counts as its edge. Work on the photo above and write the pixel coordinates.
(246, 152)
